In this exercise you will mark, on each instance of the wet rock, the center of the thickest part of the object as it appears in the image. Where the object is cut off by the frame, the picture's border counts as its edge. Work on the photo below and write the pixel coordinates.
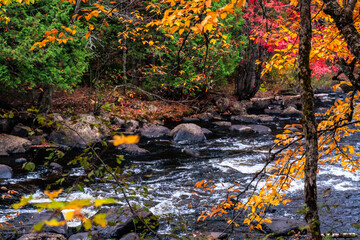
(21, 131)
(282, 226)
(339, 90)
(55, 168)
(37, 140)
(23, 224)
(130, 236)
(42, 236)
(261, 103)
(252, 118)
(131, 126)
(93, 235)
(12, 144)
(223, 124)
(206, 131)
(291, 101)
(260, 129)
(131, 149)
(123, 222)
(20, 160)
(57, 117)
(80, 132)
(154, 131)
(5, 171)
(222, 104)
(192, 152)
(273, 110)
(240, 107)
(190, 119)
(118, 121)
(241, 129)
(213, 235)
(291, 111)
(187, 132)
(206, 116)
(5, 125)
(346, 88)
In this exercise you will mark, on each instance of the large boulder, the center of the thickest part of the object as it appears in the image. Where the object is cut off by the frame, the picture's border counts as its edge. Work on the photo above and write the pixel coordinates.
(222, 104)
(241, 129)
(6, 125)
(85, 236)
(260, 129)
(291, 111)
(124, 222)
(252, 118)
(130, 236)
(222, 124)
(80, 132)
(12, 144)
(131, 149)
(43, 236)
(187, 132)
(5, 171)
(281, 226)
(154, 131)
(131, 126)
(261, 103)
(21, 131)
(24, 223)
(240, 107)
(291, 101)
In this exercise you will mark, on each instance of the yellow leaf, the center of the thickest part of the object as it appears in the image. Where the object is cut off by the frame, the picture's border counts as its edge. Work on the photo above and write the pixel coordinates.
(69, 215)
(23, 202)
(125, 139)
(100, 202)
(99, 219)
(87, 224)
(54, 223)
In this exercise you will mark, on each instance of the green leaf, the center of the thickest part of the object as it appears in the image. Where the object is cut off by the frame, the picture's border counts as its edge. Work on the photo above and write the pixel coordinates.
(29, 166)
(38, 227)
(23, 201)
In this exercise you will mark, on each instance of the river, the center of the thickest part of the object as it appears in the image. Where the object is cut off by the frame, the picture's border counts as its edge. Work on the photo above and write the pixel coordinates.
(169, 174)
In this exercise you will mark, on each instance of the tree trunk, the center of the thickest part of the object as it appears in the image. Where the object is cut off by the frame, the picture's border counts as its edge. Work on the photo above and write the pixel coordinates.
(308, 120)
(343, 17)
(248, 78)
(45, 99)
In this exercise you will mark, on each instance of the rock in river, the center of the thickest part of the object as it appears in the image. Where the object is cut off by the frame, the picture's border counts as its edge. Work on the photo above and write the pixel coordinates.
(23, 224)
(187, 132)
(124, 222)
(154, 131)
(12, 144)
(5, 171)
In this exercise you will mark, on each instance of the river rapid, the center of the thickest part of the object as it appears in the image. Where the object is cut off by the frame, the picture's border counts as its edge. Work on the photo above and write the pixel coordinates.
(171, 170)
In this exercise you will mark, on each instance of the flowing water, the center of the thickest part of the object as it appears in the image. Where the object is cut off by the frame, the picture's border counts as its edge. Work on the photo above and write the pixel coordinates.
(169, 173)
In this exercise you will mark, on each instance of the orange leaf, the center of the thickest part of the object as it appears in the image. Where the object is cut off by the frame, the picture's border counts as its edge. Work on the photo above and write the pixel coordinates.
(53, 194)
(125, 139)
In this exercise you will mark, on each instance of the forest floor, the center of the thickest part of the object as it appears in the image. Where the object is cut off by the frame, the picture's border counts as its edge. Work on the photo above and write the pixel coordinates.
(132, 105)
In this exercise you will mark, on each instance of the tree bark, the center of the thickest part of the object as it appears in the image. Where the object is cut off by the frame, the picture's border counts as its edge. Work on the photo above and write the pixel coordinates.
(308, 120)
(248, 78)
(343, 17)
(45, 99)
